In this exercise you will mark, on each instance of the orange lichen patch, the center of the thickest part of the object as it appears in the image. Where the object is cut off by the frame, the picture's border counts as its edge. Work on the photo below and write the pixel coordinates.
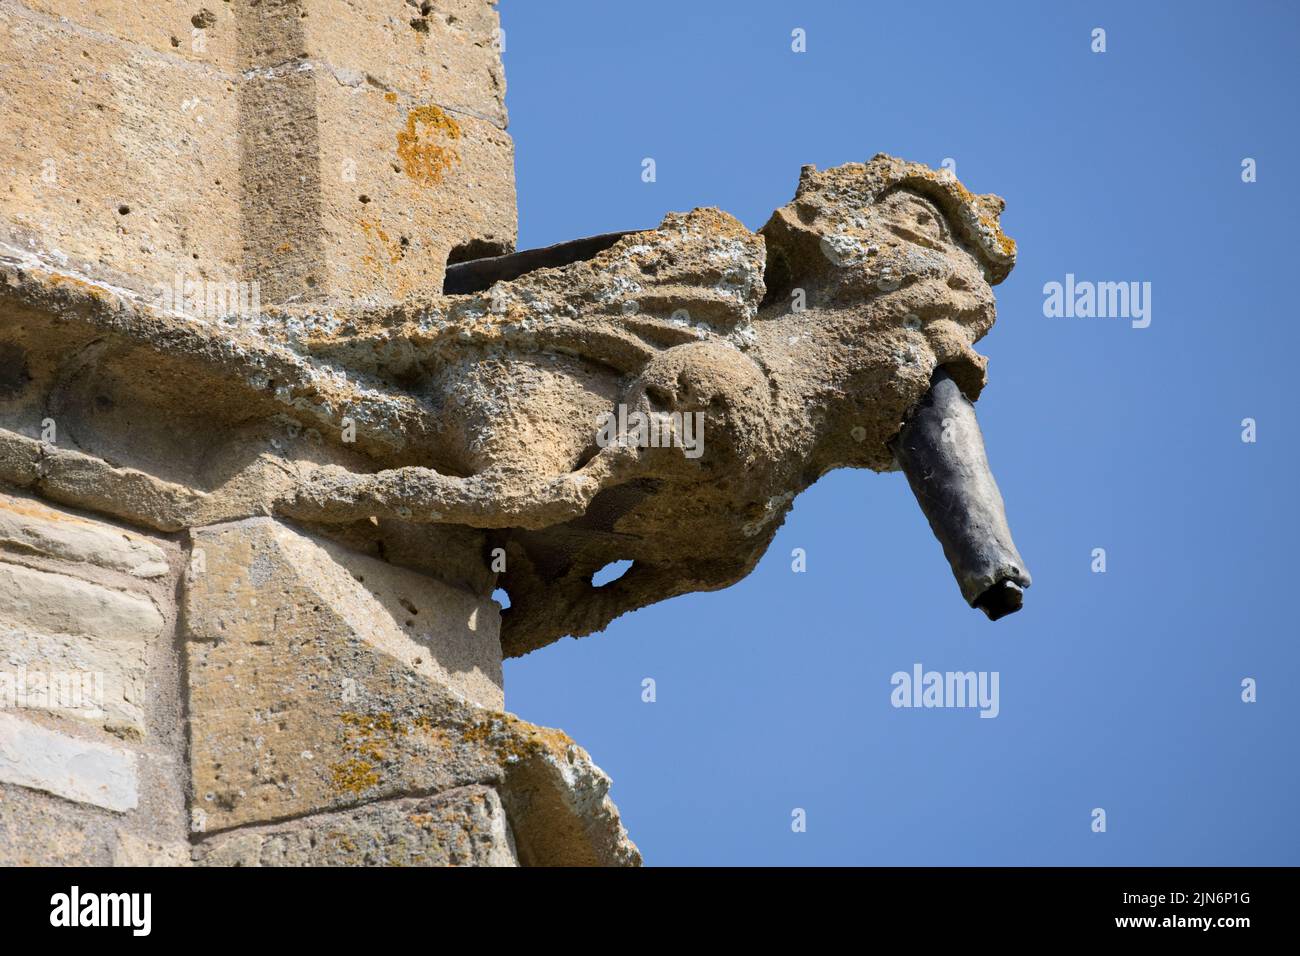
(1005, 242)
(422, 145)
(284, 247)
(93, 291)
(509, 737)
(390, 97)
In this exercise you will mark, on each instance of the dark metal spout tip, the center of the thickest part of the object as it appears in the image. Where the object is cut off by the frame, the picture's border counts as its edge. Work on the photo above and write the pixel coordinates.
(1005, 597)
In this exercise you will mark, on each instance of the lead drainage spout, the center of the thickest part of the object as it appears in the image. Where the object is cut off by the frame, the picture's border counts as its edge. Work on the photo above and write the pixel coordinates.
(941, 450)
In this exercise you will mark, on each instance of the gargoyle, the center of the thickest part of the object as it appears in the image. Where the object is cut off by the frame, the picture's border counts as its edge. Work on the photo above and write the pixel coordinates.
(521, 402)
(802, 348)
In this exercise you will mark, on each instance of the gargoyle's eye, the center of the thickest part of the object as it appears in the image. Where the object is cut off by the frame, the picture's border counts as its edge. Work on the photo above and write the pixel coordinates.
(917, 220)
(925, 221)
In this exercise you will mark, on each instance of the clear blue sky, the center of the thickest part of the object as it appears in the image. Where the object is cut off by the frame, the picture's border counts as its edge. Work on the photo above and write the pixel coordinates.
(1118, 690)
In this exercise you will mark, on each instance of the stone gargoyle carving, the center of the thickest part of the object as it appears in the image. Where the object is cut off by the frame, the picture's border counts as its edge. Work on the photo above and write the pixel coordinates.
(659, 396)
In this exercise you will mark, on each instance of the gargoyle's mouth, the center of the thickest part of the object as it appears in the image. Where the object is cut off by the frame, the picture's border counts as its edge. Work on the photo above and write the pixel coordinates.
(941, 450)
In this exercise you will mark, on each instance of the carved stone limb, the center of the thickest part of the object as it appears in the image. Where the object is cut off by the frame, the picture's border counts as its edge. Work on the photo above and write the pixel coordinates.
(333, 495)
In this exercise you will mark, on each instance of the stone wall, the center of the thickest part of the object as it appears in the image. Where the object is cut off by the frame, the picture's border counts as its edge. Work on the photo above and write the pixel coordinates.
(330, 150)
(229, 686)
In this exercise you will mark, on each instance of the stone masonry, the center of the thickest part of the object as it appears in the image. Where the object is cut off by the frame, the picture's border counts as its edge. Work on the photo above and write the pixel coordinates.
(180, 687)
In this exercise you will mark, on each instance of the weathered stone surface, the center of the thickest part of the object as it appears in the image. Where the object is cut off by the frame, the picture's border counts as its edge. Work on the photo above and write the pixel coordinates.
(111, 152)
(464, 827)
(170, 29)
(82, 770)
(59, 604)
(441, 52)
(423, 180)
(27, 526)
(445, 635)
(301, 703)
(281, 122)
(132, 850)
(76, 676)
(75, 648)
(37, 829)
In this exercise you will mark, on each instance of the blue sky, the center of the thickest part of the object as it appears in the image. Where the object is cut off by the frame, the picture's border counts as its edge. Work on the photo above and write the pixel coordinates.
(1119, 690)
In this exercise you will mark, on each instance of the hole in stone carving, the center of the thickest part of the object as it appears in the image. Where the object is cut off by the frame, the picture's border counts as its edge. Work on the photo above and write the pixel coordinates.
(501, 597)
(777, 277)
(123, 209)
(364, 198)
(477, 249)
(610, 573)
(13, 370)
(475, 265)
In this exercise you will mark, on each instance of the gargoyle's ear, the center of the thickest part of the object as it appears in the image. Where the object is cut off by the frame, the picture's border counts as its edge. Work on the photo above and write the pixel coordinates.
(806, 171)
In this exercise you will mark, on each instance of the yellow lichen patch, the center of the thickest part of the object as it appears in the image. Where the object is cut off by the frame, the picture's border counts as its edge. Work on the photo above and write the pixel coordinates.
(354, 776)
(366, 737)
(422, 145)
(390, 97)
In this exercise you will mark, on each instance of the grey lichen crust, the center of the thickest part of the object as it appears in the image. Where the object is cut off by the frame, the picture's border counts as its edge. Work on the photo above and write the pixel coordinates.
(803, 347)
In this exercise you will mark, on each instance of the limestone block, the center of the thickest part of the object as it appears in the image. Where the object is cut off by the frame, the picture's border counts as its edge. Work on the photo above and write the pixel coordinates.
(396, 183)
(463, 827)
(307, 688)
(306, 696)
(202, 32)
(121, 162)
(82, 770)
(75, 648)
(58, 604)
(27, 526)
(447, 55)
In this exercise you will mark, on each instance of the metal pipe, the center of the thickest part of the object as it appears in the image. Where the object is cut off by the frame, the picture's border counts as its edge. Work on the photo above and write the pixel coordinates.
(941, 450)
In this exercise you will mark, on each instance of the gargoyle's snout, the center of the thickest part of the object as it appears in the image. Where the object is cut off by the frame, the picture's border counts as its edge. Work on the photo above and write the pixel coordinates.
(941, 450)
